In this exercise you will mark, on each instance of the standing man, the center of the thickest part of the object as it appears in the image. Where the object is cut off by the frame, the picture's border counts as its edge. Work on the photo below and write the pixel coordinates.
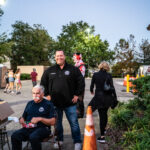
(63, 84)
(33, 76)
(38, 116)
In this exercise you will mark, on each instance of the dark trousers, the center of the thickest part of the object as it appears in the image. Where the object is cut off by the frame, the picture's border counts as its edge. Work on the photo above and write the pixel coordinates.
(103, 118)
(34, 135)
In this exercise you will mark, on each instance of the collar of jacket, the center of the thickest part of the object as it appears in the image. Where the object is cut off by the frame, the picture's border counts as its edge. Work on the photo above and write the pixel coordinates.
(58, 66)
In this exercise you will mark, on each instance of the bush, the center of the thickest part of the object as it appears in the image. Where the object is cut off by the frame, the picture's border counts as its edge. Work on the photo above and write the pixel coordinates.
(133, 119)
(25, 76)
(142, 86)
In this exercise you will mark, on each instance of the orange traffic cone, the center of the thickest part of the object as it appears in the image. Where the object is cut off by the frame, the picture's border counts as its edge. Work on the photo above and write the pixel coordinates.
(89, 142)
(125, 81)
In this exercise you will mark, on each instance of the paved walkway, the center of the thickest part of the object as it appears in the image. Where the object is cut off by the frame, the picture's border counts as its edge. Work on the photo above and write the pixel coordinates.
(18, 103)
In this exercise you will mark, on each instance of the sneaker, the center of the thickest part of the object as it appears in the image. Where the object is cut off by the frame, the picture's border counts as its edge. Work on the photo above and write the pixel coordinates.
(5, 91)
(77, 146)
(101, 140)
(58, 144)
(8, 91)
(12, 92)
(18, 92)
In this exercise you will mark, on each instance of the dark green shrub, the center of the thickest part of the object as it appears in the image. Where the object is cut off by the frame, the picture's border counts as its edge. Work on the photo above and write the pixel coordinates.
(121, 117)
(133, 119)
(25, 76)
(142, 86)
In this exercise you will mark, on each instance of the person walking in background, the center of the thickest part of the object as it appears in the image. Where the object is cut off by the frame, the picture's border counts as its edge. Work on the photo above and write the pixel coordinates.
(77, 58)
(11, 81)
(33, 76)
(18, 81)
(63, 84)
(7, 81)
(102, 99)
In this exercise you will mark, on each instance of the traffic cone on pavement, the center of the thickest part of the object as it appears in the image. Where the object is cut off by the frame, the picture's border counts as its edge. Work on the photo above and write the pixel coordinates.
(125, 81)
(89, 142)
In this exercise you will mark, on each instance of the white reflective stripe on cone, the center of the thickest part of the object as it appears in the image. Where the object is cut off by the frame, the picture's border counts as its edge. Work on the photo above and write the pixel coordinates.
(87, 133)
(89, 120)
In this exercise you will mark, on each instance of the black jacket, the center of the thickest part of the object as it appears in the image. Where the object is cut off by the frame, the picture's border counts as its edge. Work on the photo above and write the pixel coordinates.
(102, 99)
(63, 84)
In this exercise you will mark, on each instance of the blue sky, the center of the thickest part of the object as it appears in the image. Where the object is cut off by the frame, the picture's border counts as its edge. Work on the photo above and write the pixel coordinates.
(113, 19)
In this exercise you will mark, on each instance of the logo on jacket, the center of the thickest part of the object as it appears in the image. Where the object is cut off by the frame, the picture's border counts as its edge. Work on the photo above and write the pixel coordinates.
(67, 72)
(41, 109)
(53, 73)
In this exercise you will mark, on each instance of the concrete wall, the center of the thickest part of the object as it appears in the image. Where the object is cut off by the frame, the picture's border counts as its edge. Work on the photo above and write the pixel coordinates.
(3, 70)
(29, 69)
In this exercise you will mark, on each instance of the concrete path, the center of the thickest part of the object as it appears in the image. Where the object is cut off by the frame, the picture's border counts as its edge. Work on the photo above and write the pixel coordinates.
(18, 103)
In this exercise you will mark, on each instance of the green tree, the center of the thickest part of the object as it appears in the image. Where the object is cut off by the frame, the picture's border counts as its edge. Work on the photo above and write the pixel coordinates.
(76, 38)
(125, 56)
(31, 45)
(5, 46)
(145, 52)
(148, 27)
(1, 12)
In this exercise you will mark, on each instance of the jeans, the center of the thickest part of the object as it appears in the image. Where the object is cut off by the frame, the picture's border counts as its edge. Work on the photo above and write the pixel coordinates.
(71, 115)
(34, 135)
(34, 83)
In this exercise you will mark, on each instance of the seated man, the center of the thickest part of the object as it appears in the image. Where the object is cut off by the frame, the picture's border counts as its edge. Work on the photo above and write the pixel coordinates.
(39, 113)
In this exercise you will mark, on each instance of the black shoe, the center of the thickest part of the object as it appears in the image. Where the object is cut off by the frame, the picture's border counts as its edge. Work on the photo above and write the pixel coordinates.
(18, 93)
(101, 139)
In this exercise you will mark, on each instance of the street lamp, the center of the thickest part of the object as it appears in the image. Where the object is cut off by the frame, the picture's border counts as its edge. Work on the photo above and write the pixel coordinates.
(2, 2)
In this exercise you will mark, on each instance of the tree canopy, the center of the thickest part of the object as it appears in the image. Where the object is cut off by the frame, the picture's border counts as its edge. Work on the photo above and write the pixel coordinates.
(145, 52)
(5, 46)
(75, 37)
(148, 27)
(125, 57)
(31, 45)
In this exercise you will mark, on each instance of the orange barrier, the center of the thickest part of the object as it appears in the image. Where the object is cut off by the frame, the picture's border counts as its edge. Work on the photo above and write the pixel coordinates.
(130, 83)
(125, 81)
(89, 142)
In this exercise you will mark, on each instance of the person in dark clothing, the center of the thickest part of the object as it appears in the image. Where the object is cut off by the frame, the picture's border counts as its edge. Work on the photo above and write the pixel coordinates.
(36, 120)
(63, 84)
(102, 100)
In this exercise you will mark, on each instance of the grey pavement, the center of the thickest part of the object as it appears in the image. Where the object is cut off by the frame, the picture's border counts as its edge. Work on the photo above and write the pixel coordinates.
(18, 103)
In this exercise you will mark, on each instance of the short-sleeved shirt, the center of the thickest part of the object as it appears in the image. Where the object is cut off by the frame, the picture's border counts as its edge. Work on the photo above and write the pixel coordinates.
(33, 76)
(43, 109)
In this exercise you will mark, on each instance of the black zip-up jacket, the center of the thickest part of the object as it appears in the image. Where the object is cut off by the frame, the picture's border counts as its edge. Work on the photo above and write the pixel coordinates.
(63, 84)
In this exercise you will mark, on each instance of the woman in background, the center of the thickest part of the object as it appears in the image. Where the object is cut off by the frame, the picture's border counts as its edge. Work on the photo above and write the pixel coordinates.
(102, 100)
(11, 81)
(18, 81)
(7, 81)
